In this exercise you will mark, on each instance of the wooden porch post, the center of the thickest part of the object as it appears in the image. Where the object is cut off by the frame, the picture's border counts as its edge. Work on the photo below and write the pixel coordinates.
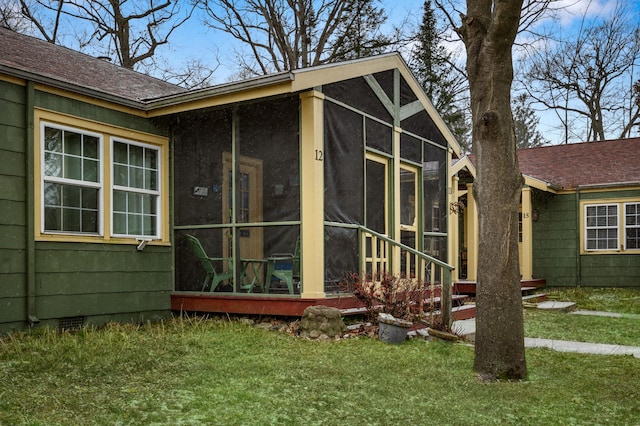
(453, 231)
(312, 195)
(395, 208)
(471, 217)
(526, 257)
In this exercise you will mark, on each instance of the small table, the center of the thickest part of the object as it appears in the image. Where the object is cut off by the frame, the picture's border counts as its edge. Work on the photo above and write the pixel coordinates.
(252, 275)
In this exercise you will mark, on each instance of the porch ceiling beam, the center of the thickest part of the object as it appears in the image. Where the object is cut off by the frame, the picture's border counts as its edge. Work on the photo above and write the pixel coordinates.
(380, 93)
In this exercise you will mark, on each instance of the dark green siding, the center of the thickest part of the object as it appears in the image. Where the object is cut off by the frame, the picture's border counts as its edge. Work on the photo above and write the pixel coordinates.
(556, 240)
(94, 112)
(100, 279)
(94, 282)
(13, 231)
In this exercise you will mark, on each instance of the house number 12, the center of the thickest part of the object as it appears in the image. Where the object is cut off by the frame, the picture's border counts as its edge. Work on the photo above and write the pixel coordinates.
(319, 155)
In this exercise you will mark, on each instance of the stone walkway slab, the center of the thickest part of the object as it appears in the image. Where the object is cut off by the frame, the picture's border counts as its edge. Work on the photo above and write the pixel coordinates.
(582, 347)
(557, 306)
(467, 328)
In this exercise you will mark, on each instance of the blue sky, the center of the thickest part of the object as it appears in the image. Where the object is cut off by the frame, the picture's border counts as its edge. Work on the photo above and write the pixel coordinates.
(197, 41)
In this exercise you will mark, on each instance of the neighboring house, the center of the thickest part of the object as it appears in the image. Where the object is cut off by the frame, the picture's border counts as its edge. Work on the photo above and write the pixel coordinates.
(580, 214)
(104, 172)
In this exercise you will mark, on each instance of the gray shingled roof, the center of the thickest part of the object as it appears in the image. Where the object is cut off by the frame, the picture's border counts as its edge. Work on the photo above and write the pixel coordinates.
(26, 56)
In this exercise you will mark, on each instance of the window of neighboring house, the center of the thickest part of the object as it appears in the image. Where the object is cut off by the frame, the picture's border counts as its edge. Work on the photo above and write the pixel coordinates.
(632, 225)
(601, 226)
(97, 185)
(136, 189)
(72, 181)
(614, 226)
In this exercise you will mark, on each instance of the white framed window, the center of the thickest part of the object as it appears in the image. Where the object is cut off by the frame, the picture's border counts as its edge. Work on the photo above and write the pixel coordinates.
(632, 226)
(72, 180)
(96, 182)
(136, 189)
(601, 227)
(611, 226)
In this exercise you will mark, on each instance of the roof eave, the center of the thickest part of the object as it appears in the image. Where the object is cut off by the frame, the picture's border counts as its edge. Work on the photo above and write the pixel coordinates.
(541, 184)
(59, 84)
(218, 90)
(609, 185)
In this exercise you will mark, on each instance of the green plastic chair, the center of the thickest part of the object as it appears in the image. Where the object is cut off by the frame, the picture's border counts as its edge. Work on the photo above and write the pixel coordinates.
(284, 267)
(214, 277)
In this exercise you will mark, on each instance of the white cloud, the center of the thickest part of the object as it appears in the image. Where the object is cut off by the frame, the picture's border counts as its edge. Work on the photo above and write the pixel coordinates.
(570, 11)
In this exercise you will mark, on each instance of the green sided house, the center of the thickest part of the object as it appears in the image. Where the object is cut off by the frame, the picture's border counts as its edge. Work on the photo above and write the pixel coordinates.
(580, 215)
(124, 198)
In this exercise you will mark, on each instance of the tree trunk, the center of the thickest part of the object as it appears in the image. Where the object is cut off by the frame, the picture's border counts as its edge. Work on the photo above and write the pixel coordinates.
(489, 30)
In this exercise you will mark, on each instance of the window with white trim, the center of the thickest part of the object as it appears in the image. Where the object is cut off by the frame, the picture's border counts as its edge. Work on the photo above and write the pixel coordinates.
(632, 226)
(72, 180)
(136, 189)
(77, 168)
(612, 226)
(601, 227)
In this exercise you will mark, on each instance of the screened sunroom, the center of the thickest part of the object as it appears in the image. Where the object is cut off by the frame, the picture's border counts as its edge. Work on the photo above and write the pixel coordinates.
(283, 187)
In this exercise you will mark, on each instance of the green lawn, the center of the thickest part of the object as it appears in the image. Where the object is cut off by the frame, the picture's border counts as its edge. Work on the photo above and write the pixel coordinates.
(204, 372)
(619, 331)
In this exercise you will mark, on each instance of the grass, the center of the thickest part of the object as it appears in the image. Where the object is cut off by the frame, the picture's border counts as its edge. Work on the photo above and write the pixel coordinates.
(201, 372)
(619, 331)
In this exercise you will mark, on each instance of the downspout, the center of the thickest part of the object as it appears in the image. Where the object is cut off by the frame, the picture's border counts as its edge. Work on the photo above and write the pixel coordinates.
(31, 309)
(578, 231)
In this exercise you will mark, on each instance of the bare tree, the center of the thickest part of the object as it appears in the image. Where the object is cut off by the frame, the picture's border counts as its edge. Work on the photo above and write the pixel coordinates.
(289, 34)
(45, 15)
(591, 76)
(10, 16)
(132, 31)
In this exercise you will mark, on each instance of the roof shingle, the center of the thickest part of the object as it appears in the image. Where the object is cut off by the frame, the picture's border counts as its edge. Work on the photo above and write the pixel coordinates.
(37, 57)
(583, 164)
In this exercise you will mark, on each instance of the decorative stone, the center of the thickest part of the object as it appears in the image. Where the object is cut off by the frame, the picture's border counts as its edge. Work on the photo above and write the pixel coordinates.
(319, 321)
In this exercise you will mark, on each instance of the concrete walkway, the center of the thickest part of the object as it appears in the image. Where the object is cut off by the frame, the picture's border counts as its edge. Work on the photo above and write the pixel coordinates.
(467, 328)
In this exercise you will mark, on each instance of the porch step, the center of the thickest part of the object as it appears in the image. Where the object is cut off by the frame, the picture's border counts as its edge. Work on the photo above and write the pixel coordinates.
(528, 287)
(534, 298)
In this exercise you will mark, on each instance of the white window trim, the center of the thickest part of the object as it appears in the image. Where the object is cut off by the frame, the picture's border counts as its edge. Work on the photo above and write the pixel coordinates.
(157, 192)
(625, 226)
(587, 227)
(44, 179)
(620, 228)
(106, 133)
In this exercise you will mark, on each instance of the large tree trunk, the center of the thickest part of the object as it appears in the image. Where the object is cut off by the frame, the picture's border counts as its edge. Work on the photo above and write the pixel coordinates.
(489, 30)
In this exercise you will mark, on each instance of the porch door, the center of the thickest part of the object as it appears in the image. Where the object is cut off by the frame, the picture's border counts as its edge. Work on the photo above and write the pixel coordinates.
(376, 258)
(408, 217)
(248, 205)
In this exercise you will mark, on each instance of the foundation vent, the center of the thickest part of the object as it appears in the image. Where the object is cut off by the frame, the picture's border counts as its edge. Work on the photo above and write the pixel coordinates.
(71, 323)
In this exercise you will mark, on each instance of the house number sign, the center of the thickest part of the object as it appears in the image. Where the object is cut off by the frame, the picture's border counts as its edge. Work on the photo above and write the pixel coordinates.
(319, 155)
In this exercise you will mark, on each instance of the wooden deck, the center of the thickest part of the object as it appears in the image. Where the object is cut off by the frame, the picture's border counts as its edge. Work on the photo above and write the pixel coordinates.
(255, 304)
(286, 306)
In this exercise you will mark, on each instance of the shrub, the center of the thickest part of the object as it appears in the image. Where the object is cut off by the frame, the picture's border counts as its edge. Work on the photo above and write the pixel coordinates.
(401, 297)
